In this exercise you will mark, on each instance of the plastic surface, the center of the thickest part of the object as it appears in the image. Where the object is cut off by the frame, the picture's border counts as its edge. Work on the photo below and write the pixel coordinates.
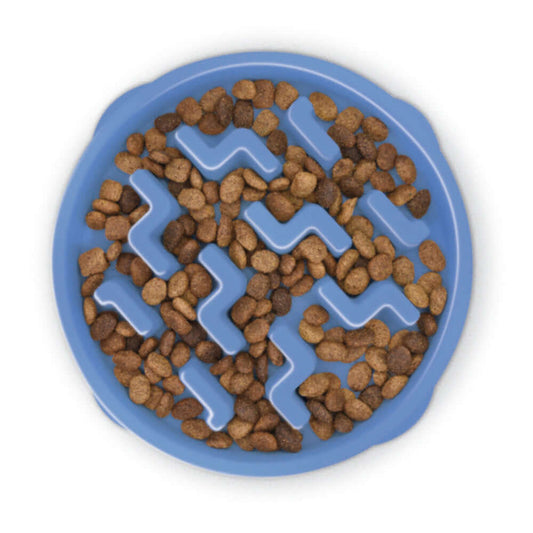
(446, 223)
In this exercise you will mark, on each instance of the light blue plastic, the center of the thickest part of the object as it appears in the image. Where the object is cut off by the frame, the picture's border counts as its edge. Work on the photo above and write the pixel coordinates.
(445, 222)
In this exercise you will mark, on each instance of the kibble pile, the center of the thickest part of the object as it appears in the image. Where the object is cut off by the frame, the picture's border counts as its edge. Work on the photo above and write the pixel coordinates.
(382, 362)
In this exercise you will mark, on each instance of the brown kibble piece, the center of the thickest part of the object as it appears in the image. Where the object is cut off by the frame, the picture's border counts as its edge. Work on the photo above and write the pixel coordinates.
(342, 423)
(127, 162)
(351, 118)
(209, 125)
(363, 244)
(92, 262)
(327, 192)
(91, 284)
(189, 110)
(289, 439)
(402, 194)
(155, 291)
(265, 123)
(243, 114)
(415, 342)
(239, 428)
(224, 110)
(375, 129)
(187, 408)
(372, 396)
(159, 364)
(416, 295)
(208, 352)
(341, 135)
(356, 281)
(393, 386)
(323, 106)
(155, 140)
(427, 324)
(381, 332)
(420, 203)
(431, 256)
(280, 206)
(139, 389)
(322, 430)
(95, 220)
(219, 440)
(210, 99)
(135, 144)
(281, 301)
(357, 410)
(258, 286)
(310, 333)
(380, 267)
(285, 94)
(173, 385)
(399, 360)
(277, 142)
(331, 351)
(180, 354)
(196, 428)
(129, 200)
(351, 187)
(191, 198)
(386, 156)
(406, 169)
(244, 90)
(167, 122)
(303, 184)
(117, 228)
(264, 261)
(264, 96)
(437, 300)
(246, 410)
(257, 330)
(359, 376)
(319, 411)
(314, 386)
(403, 271)
(382, 181)
(316, 315)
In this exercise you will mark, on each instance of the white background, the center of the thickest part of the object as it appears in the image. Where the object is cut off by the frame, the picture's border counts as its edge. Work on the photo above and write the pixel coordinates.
(467, 463)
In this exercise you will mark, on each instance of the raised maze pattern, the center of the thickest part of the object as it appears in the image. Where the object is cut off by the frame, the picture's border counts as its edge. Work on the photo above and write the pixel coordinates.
(214, 161)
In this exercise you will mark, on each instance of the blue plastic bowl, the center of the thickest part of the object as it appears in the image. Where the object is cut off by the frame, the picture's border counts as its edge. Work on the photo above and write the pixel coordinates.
(446, 223)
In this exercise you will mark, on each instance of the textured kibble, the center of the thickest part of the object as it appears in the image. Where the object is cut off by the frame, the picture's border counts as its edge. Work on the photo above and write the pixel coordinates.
(399, 360)
(327, 192)
(402, 194)
(386, 157)
(303, 184)
(243, 114)
(265, 123)
(406, 169)
(315, 385)
(280, 206)
(208, 352)
(264, 96)
(219, 440)
(129, 199)
(187, 408)
(180, 354)
(302, 287)
(210, 98)
(285, 94)
(372, 396)
(155, 291)
(393, 386)
(437, 300)
(416, 295)
(263, 441)
(309, 333)
(359, 337)
(366, 146)
(429, 280)
(323, 430)
(117, 228)
(189, 110)
(342, 423)
(107, 207)
(239, 428)
(231, 187)
(357, 410)
(277, 142)
(381, 332)
(178, 170)
(403, 271)
(92, 262)
(419, 204)
(95, 220)
(341, 135)
(127, 162)
(431, 256)
(289, 439)
(323, 106)
(244, 90)
(382, 181)
(363, 244)
(331, 351)
(356, 281)
(264, 261)
(135, 144)
(196, 428)
(191, 198)
(415, 342)
(427, 324)
(375, 129)
(209, 124)
(351, 187)
(281, 301)
(316, 315)
(224, 110)
(380, 267)
(155, 140)
(201, 283)
(257, 330)
(359, 376)
(139, 389)
(351, 118)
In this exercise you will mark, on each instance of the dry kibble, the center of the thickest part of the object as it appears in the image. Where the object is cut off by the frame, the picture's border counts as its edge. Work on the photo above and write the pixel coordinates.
(366, 146)
(265, 123)
(219, 440)
(135, 144)
(127, 162)
(437, 300)
(210, 125)
(155, 291)
(402, 194)
(187, 408)
(314, 386)
(210, 99)
(359, 376)
(92, 262)
(429, 281)
(427, 324)
(431, 256)
(180, 354)
(310, 333)
(357, 410)
(224, 110)
(95, 220)
(386, 157)
(415, 342)
(189, 110)
(129, 200)
(416, 295)
(277, 142)
(327, 192)
(375, 129)
(323, 430)
(256, 330)
(342, 423)
(111, 190)
(399, 360)
(316, 315)
(281, 301)
(191, 198)
(139, 389)
(280, 206)
(406, 169)
(201, 283)
(372, 396)
(264, 261)
(285, 94)
(244, 90)
(303, 184)
(323, 106)
(341, 135)
(403, 271)
(393, 386)
(264, 96)
(231, 188)
(117, 228)
(382, 181)
(381, 332)
(356, 281)
(419, 204)
(363, 244)
(243, 114)
(196, 428)
(380, 267)
(331, 351)
(351, 118)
